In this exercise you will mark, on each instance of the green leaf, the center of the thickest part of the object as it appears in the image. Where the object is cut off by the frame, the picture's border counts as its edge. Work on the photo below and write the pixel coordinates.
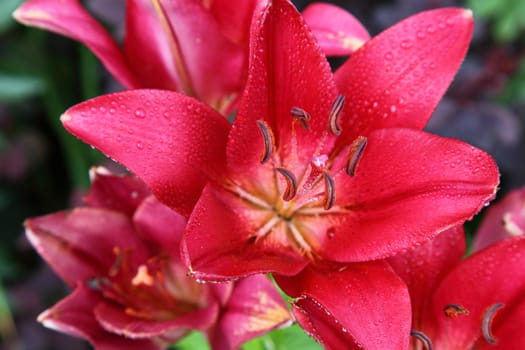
(289, 338)
(193, 341)
(17, 87)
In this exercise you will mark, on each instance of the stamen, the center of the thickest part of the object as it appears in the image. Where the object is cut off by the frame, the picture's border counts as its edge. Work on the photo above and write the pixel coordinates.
(329, 184)
(333, 116)
(291, 184)
(422, 337)
(268, 138)
(356, 152)
(302, 116)
(455, 310)
(486, 323)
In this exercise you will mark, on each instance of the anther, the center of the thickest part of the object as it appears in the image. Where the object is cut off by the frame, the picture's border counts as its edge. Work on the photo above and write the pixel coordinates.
(356, 152)
(291, 184)
(333, 116)
(486, 323)
(455, 310)
(329, 184)
(302, 116)
(422, 337)
(268, 138)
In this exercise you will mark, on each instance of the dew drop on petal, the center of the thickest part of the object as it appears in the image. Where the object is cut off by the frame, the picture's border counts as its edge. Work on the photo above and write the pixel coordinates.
(139, 113)
(140, 145)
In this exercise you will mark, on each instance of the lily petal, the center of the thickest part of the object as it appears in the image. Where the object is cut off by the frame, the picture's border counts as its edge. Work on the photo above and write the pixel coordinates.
(74, 315)
(216, 244)
(183, 42)
(491, 276)
(66, 240)
(356, 305)
(121, 193)
(167, 139)
(398, 77)
(70, 19)
(409, 186)
(337, 31)
(287, 70)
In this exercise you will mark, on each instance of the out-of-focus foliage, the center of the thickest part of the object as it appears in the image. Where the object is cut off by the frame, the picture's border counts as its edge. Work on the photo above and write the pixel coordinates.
(507, 17)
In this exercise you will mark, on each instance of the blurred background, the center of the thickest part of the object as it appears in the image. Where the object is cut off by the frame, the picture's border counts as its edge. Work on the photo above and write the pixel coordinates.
(44, 169)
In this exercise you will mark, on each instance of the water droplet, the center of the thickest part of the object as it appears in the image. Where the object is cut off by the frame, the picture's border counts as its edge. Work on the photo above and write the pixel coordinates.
(431, 28)
(112, 110)
(406, 44)
(140, 145)
(139, 113)
(375, 104)
(388, 56)
(393, 108)
(420, 34)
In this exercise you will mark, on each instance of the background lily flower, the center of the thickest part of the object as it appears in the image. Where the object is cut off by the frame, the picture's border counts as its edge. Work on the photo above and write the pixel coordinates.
(464, 304)
(304, 176)
(121, 256)
(502, 220)
(199, 48)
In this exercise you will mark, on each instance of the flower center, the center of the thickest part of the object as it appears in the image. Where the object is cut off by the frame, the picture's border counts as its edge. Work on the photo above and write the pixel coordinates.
(294, 210)
(157, 289)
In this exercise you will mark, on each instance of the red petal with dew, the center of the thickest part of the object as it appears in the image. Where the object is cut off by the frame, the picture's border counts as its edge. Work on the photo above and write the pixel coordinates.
(287, 69)
(423, 267)
(122, 193)
(255, 308)
(160, 225)
(181, 50)
(115, 320)
(70, 19)
(74, 315)
(502, 220)
(492, 275)
(234, 18)
(216, 245)
(362, 303)
(337, 31)
(409, 186)
(169, 140)
(79, 244)
(398, 77)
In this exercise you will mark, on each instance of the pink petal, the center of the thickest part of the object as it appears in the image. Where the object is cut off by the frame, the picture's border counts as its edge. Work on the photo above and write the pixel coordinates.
(234, 18)
(74, 315)
(287, 70)
(70, 19)
(79, 244)
(115, 320)
(409, 186)
(216, 245)
(363, 303)
(493, 275)
(122, 193)
(182, 49)
(423, 267)
(255, 308)
(502, 220)
(160, 226)
(397, 78)
(337, 31)
(167, 139)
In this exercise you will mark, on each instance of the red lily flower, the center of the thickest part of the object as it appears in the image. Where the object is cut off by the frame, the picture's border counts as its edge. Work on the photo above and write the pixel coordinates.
(300, 178)
(121, 254)
(502, 220)
(476, 303)
(184, 41)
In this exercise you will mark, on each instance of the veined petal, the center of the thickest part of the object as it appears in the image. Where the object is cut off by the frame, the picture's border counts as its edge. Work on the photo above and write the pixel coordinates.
(423, 267)
(359, 304)
(255, 308)
(160, 226)
(122, 193)
(115, 320)
(77, 244)
(183, 42)
(169, 140)
(70, 19)
(218, 242)
(398, 77)
(409, 186)
(491, 276)
(74, 315)
(287, 69)
(337, 31)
